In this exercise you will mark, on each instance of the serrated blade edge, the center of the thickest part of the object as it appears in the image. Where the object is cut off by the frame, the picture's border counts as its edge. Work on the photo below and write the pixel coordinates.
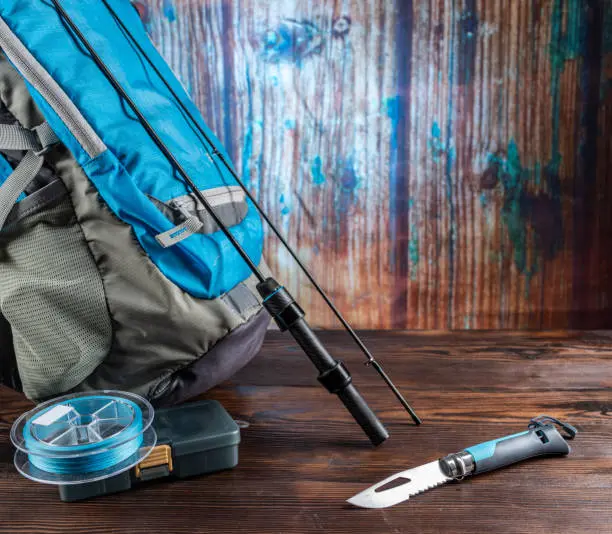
(421, 478)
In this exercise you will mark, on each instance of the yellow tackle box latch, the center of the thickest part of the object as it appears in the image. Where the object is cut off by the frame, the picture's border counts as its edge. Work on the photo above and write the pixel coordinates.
(157, 465)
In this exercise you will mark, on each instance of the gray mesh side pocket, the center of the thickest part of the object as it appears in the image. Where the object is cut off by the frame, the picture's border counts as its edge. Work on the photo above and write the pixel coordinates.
(51, 294)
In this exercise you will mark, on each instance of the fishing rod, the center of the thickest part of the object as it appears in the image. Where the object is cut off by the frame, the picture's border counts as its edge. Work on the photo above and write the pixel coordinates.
(371, 361)
(276, 299)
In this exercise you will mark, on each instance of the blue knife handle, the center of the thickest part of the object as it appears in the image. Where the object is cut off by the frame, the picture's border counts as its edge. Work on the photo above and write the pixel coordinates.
(540, 441)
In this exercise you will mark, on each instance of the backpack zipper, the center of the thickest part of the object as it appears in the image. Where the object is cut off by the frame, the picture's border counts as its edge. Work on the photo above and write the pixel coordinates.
(49, 89)
(217, 196)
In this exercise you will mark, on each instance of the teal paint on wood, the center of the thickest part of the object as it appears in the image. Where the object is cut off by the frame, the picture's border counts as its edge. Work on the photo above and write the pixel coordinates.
(413, 251)
(435, 142)
(169, 12)
(513, 181)
(440, 150)
(293, 41)
(531, 214)
(425, 154)
(318, 177)
(394, 109)
(567, 42)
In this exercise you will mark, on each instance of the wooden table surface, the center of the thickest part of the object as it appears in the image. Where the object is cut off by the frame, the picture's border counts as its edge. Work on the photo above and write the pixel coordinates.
(302, 455)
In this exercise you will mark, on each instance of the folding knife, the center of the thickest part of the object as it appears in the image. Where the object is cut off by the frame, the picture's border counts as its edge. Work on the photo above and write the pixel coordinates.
(541, 438)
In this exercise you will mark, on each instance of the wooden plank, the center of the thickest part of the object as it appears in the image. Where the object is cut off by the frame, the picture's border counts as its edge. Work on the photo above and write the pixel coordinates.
(302, 456)
(438, 164)
(522, 362)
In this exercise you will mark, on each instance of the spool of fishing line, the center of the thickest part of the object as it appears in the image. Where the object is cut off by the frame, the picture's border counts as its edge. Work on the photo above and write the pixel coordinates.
(83, 437)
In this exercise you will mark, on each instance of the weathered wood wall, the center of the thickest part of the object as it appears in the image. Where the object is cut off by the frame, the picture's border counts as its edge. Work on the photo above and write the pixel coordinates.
(438, 163)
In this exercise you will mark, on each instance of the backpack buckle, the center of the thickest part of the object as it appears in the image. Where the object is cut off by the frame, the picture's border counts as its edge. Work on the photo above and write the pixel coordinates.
(46, 138)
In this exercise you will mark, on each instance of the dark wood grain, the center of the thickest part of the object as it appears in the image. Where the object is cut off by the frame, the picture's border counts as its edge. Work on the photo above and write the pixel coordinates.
(302, 456)
(438, 164)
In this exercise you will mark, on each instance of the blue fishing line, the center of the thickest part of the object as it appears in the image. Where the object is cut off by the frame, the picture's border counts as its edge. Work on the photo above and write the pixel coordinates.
(86, 457)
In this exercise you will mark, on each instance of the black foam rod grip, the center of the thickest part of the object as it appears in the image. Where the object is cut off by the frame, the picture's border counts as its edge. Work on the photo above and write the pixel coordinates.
(341, 384)
(363, 414)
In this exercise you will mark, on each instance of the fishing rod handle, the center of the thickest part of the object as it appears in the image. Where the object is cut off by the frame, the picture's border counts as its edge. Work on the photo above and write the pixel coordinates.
(333, 374)
(337, 379)
(363, 414)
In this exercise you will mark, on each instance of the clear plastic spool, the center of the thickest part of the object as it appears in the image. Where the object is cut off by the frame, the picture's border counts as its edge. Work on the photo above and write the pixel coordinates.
(83, 437)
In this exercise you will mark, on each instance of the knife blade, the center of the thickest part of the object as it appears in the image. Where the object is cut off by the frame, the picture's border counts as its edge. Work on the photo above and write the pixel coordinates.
(401, 486)
(541, 438)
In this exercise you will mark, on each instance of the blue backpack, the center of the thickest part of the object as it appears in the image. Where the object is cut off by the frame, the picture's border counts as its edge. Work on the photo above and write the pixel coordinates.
(112, 273)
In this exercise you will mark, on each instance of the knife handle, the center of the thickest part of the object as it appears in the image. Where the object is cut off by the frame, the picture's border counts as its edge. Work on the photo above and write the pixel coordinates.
(540, 440)
(508, 450)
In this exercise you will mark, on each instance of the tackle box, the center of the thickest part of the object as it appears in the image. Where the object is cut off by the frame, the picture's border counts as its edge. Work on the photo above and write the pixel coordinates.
(192, 439)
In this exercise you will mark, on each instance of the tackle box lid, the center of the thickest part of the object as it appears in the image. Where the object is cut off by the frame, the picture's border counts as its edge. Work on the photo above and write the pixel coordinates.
(196, 427)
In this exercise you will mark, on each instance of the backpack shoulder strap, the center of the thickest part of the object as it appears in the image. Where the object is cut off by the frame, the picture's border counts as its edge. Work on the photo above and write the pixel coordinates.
(36, 142)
